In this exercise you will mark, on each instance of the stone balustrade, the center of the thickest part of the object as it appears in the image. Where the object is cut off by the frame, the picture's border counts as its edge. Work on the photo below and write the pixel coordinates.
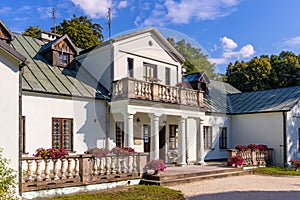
(253, 158)
(135, 89)
(79, 170)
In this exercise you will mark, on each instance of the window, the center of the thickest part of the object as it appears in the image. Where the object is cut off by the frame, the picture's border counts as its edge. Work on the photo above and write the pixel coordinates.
(130, 67)
(173, 136)
(167, 76)
(23, 134)
(150, 72)
(223, 138)
(120, 134)
(63, 59)
(62, 133)
(207, 134)
(299, 139)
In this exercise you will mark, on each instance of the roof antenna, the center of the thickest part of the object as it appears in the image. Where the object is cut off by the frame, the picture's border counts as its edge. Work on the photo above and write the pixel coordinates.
(109, 22)
(54, 18)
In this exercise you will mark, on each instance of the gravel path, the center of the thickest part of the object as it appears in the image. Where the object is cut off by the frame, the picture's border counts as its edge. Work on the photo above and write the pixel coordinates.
(257, 187)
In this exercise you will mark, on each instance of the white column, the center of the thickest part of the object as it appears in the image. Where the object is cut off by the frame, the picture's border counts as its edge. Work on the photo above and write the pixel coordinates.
(200, 140)
(154, 143)
(128, 130)
(181, 143)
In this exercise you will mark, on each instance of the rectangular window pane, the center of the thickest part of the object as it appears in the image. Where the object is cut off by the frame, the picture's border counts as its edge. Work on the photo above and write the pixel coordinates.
(167, 76)
(130, 67)
(62, 133)
(207, 137)
(150, 72)
(223, 138)
(119, 134)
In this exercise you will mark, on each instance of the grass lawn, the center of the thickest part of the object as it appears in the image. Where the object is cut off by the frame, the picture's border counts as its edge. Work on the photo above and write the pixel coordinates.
(274, 170)
(137, 192)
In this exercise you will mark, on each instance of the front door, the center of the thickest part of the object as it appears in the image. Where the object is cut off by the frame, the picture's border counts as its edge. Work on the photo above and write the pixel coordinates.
(146, 137)
(162, 142)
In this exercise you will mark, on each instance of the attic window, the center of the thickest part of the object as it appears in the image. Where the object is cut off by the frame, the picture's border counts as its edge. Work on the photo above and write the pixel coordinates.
(64, 59)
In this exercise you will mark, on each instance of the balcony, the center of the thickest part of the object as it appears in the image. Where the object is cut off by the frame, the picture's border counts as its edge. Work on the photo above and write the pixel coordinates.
(128, 88)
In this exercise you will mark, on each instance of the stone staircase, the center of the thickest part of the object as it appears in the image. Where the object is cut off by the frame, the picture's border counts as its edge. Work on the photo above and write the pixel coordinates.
(188, 177)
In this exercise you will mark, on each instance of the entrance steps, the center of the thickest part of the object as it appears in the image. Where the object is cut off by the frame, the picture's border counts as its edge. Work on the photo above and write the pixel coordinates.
(181, 177)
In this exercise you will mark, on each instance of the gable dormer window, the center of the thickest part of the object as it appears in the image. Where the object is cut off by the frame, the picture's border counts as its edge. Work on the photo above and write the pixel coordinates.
(64, 59)
(60, 52)
(5, 34)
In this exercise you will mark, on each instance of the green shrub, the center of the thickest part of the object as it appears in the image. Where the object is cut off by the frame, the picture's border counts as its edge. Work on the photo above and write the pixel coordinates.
(7, 179)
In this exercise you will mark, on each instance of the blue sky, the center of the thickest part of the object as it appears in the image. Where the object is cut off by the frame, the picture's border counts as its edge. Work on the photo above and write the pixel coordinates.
(227, 30)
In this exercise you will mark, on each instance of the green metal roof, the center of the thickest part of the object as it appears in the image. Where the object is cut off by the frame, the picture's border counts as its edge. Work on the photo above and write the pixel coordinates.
(223, 98)
(40, 76)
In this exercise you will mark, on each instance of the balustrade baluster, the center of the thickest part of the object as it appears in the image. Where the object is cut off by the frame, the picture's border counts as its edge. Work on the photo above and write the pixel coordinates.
(29, 170)
(38, 170)
(123, 165)
(129, 164)
(55, 170)
(47, 169)
(107, 167)
(63, 170)
(100, 166)
(76, 168)
(134, 164)
(118, 165)
(70, 169)
(112, 165)
(95, 172)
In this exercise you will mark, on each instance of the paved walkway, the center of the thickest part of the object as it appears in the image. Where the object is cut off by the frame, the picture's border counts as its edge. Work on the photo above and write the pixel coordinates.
(257, 187)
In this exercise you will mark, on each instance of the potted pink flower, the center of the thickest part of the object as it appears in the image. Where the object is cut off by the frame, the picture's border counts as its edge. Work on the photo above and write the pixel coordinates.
(237, 160)
(98, 152)
(54, 153)
(156, 165)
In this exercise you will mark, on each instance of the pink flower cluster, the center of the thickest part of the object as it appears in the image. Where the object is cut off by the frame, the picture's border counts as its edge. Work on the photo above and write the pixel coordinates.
(98, 152)
(252, 147)
(156, 165)
(102, 152)
(54, 153)
(237, 160)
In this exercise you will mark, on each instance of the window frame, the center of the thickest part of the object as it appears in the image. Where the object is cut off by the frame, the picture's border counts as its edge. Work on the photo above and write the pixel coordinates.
(130, 66)
(63, 59)
(119, 125)
(207, 137)
(146, 75)
(223, 138)
(61, 134)
(299, 139)
(168, 76)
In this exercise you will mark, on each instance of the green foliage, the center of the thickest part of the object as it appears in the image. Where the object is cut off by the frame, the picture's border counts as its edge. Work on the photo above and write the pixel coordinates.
(82, 31)
(136, 192)
(196, 61)
(275, 170)
(7, 179)
(265, 72)
(32, 31)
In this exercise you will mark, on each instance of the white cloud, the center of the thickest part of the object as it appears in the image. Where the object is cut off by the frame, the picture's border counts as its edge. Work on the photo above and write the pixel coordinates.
(229, 55)
(293, 42)
(184, 11)
(228, 44)
(122, 4)
(5, 10)
(245, 52)
(95, 8)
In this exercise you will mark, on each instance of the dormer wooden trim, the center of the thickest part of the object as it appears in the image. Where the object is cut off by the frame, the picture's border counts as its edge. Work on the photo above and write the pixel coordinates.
(5, 33)
(60, 52)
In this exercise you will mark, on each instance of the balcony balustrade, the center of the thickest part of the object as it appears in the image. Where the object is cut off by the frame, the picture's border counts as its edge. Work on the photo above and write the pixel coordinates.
(128, 88)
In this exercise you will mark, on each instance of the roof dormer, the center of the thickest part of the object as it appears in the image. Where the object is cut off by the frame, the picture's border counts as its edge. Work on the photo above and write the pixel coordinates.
(59, 52)
(197, 81)
(47, 36)
(5, 34)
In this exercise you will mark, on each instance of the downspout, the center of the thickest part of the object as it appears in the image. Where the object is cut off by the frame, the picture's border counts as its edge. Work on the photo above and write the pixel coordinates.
(20, 129)
(284, 140)
(107, 125)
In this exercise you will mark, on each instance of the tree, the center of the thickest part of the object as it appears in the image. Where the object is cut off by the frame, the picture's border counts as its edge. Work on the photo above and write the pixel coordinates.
(82, 31)
(196, 61)
(265, 72)
(32, 31)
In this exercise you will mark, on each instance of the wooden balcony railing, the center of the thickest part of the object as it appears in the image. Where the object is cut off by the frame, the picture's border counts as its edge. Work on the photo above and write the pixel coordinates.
(77, 170)
(128, 88)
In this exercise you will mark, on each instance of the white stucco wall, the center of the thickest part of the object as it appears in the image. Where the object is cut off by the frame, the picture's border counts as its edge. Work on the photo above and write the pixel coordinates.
(98, 63)
(261, 128)
(89, 121)
(293, 126)
(140, 51)
(9, 106)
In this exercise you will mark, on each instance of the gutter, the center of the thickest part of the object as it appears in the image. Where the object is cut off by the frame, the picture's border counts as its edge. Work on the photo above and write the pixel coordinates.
(20, 141)
(284, 140)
